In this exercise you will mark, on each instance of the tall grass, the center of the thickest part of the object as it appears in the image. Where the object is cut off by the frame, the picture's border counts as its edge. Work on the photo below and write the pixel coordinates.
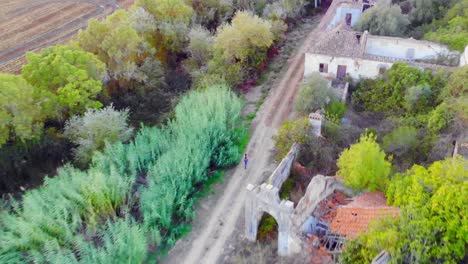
(104, 215)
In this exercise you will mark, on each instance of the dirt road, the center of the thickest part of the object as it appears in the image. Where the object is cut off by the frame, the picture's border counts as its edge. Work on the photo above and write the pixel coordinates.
(206, 245)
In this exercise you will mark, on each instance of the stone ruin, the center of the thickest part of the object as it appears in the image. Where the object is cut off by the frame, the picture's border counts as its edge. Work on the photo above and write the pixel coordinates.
(265, 198)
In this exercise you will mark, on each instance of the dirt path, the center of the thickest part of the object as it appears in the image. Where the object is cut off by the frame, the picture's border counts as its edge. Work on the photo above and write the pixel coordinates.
(207, 245)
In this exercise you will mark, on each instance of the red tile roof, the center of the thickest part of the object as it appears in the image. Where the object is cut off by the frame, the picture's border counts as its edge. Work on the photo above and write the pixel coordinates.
(355, 217)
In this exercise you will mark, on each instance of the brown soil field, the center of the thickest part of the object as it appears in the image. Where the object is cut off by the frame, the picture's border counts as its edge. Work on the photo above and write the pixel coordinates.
(30, 25)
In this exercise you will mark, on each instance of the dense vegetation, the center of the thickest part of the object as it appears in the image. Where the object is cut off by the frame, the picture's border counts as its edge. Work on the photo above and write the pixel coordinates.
(130, 192)
(133, 197)
(142, 60)
(441, 21)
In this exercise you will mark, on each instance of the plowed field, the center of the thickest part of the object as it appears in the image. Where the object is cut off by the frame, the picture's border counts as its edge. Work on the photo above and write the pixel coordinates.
(29, 25)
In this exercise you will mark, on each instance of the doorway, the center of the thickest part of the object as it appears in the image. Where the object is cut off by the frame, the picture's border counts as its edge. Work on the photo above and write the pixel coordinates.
(341, 72)
(348, 19)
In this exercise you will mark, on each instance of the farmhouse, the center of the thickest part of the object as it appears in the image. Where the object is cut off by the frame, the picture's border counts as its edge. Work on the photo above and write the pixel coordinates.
(340, 52)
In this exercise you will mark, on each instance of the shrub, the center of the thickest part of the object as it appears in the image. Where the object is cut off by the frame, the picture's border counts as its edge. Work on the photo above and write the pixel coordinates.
(364, 166)
(335, 111)
(313, 94)
(96, 127)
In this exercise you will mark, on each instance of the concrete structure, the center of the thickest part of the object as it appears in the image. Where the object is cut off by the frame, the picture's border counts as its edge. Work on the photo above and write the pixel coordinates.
(339, 53)
(315, 120)
(464, 57)
(265, 198)
(349, 12)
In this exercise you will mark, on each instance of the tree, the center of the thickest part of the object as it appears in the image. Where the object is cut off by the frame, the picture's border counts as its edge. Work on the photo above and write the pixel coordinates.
(211, 13)
(297, 131)
(172, 18)
(455, 93)
(200, 49)
(246, 39)
(452, 29)
(400, 140)
(91, 131)
(364, 166)
(67, 79)
(422, 11)
(313, 94)
(393, 86)
(383, 19)
(20, 112)
(116, 43)
(417, 98)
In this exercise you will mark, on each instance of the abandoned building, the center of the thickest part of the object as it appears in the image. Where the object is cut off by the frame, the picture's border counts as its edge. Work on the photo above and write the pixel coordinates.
(325, 214)
(349, 12)
(339, 52)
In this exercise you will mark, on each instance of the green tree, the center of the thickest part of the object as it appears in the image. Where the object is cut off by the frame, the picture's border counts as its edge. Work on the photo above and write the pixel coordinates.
(455, 93)
(246, 39)
(313, 94)
(91, 131)
(200, 49)
(393, 87)
(364, 166)
(115, 42)
(297, 131)
(417, 98)
(67, 79)
(432, 226)
(171, 19)
(452, 29)
(20, 111)
(400, 140)
(384, 19)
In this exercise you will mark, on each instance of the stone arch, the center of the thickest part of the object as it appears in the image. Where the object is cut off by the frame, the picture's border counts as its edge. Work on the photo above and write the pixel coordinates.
(265, 198)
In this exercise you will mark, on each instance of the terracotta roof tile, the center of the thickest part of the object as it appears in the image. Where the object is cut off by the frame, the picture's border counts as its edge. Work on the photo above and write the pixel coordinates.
(355, 217)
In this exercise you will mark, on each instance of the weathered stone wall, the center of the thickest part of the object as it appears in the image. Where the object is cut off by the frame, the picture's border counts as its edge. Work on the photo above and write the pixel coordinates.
(283, 170)
(319, 188)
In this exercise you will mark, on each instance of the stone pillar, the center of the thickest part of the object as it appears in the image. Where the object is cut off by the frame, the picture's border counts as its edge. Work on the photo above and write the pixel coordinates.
(251, 215)
(285, 241)
(315, 119)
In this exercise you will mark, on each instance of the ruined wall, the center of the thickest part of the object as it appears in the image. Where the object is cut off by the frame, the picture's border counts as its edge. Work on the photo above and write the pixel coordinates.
(340, 15)
(319, 188)
(399, 48)
(283, 170)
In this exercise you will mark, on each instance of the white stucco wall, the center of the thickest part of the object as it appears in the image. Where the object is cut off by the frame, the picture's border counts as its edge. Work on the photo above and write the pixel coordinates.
(464, 57)
(356, 68)
(398, 48)
(340, 15)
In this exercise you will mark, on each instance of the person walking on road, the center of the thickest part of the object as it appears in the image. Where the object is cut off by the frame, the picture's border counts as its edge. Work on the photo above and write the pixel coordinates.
(246, 160)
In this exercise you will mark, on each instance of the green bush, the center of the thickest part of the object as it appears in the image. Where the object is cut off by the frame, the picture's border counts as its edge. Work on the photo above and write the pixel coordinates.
(91, 131)
(335, 111)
